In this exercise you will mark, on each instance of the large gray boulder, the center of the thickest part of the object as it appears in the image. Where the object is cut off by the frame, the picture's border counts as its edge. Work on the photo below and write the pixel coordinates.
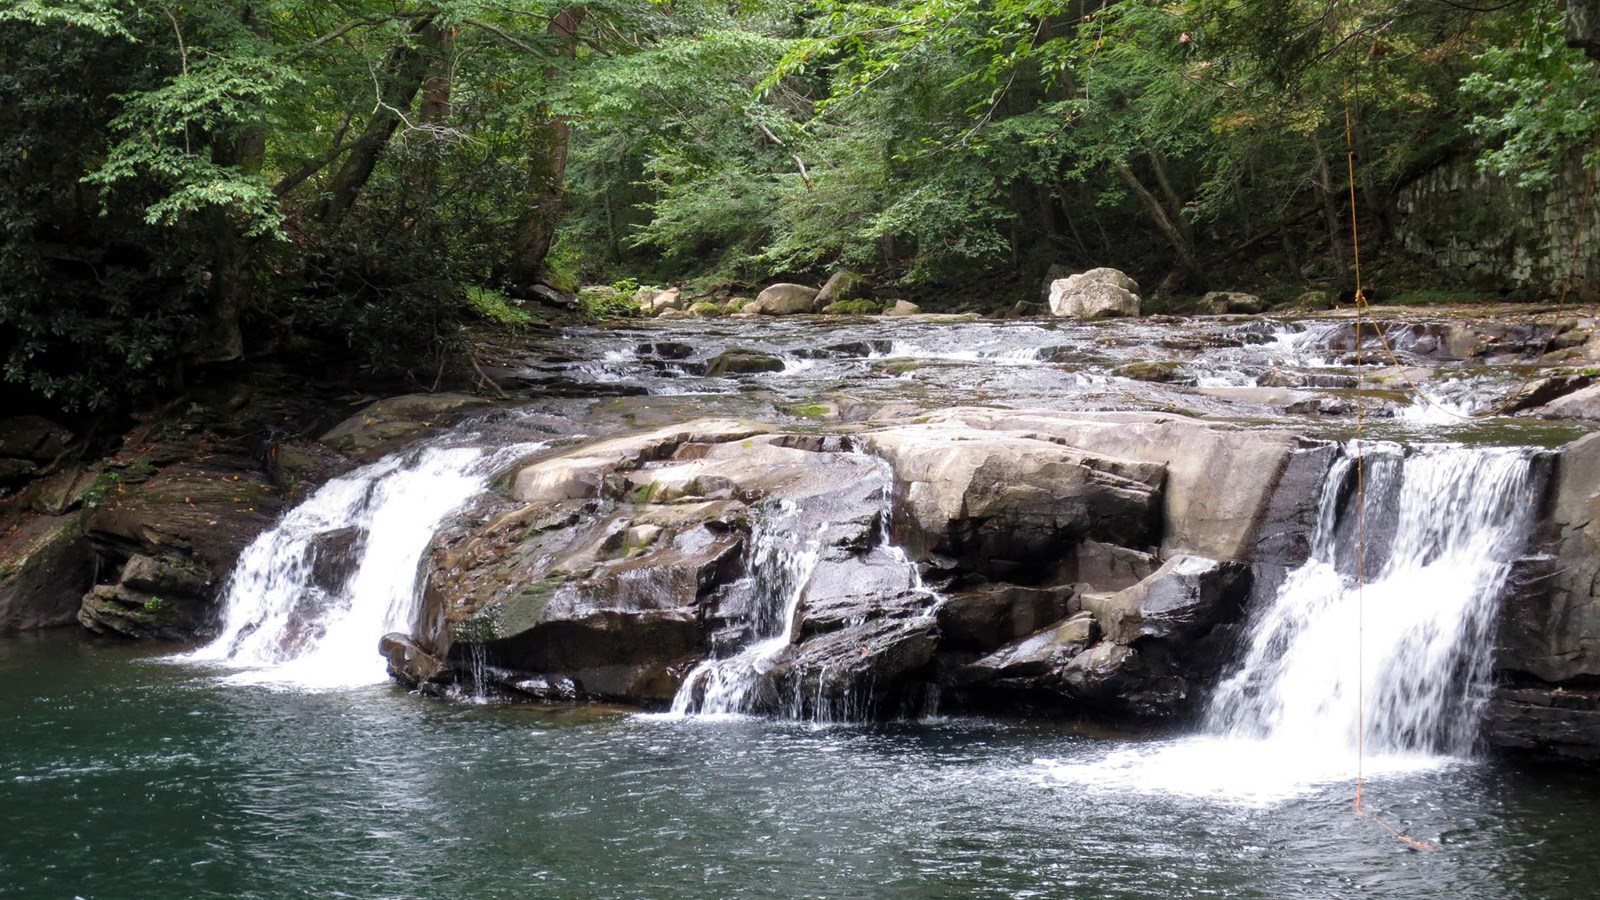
(1013, 506)
(784, 299)
(1220, 479)
(1095, 294)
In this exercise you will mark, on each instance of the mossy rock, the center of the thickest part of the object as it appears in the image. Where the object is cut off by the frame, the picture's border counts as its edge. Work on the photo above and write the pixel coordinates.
(1161, 371)
(853, 308)
(705, 309)
(743, 362)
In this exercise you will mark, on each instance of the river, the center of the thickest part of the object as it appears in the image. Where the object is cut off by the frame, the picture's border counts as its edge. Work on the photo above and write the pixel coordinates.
(129, 771)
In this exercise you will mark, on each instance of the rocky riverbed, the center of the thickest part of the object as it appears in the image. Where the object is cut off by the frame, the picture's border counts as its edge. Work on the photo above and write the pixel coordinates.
(1034, 513)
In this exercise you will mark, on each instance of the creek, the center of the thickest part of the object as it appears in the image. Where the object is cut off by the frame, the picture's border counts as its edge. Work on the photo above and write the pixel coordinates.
(276, 760)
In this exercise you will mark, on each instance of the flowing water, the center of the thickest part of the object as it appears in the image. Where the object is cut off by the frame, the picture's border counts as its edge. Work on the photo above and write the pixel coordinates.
(125, 773)
(309, 599)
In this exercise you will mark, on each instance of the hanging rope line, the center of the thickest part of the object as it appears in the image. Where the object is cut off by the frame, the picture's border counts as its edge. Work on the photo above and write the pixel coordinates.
(1361, 505)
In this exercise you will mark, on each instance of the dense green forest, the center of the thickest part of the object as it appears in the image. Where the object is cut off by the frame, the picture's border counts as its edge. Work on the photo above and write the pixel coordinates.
(190, 184)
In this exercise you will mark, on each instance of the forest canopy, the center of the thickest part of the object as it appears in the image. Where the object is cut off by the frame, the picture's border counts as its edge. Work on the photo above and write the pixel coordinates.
(192, 184)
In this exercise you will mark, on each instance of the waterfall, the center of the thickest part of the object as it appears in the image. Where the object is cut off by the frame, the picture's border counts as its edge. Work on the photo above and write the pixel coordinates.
(309, 599)
(1403, 660)
(1386, 677)
(785, 549)
(802, 554)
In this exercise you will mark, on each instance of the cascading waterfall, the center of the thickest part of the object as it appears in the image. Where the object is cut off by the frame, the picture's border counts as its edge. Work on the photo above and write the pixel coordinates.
(310, 598)
(784, 550)
(789, 561)
(1405, 658)
(1390, 675)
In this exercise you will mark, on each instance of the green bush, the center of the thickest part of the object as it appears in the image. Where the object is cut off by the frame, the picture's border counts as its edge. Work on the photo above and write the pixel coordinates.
(498, 308)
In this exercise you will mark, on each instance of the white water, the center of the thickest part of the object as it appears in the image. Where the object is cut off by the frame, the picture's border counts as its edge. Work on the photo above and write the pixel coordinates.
(1388, 676)
(281, 627)
(784, 551)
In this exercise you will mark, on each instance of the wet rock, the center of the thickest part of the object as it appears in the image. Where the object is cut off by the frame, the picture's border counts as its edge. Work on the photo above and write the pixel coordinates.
(170, 542)
(854, 673)
(33, 438)
(1541, 391)
(742, 362)
(986, 618)
(116, 609)
(784, 300)
(842, 286)
(1049, 650)
(903, 308)
(1009, 506)
(408, 662)
(1186, 597)
(1163, 371)
(1583, 403)
(580, 472)
(389, 424)
(45, 567)
(1554, 634)
(623, 597)
(1225, 302)
(1545, 722)
(665, 350)
(1095, 294)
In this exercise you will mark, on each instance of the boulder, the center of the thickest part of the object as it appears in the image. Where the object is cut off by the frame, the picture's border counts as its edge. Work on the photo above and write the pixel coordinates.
(743, 362)
(1012, 506)
(45, 566)
(1095, 294)
(1186, 597)
(1541, 391)
(1583, 403)
(903, 308)
(1160, 371)
(784, 300)
(1047, 651)
(671, 298)
(1220, 479)
(61, 492)
(986, 618)
(410, 663)
(843, 286)
(622, 598)
(1224, 302)
(391, 423)
(32, 437)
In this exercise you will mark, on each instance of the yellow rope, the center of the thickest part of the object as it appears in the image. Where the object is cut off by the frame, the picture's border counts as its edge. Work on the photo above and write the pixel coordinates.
(1361, 505)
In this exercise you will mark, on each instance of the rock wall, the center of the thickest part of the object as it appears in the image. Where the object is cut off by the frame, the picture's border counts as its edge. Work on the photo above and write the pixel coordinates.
(1484, 230)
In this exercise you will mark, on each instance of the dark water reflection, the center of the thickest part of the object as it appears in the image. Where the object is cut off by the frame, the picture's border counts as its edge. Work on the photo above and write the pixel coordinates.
(123, 777)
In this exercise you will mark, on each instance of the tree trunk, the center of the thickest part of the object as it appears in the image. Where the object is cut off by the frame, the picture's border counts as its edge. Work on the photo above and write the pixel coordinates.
(401, 79)
(536, 226)
(1183, 245)
(1330, 214)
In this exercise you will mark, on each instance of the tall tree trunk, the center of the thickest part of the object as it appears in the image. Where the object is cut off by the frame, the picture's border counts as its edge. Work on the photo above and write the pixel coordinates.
(1330, 214)
(1158, 163)
(1188, 261)
(536, 226)
(397, 87)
